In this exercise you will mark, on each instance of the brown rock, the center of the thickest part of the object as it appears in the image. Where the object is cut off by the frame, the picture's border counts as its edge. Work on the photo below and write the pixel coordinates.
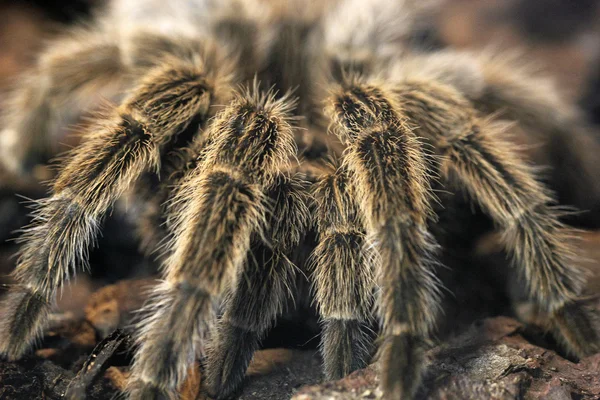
(113, 306)
(118, 376)
(492, 360)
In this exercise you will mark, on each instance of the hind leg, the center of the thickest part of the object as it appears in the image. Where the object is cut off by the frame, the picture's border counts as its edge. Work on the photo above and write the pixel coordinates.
(71, 69)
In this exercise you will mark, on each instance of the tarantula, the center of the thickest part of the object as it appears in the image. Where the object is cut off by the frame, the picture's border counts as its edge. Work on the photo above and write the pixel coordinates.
(233, 188)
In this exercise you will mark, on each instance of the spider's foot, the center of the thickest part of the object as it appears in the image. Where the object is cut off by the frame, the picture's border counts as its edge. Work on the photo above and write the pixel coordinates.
(402, 365)
(227, 360)
(23, 315)
(577, 326)
(346, 347)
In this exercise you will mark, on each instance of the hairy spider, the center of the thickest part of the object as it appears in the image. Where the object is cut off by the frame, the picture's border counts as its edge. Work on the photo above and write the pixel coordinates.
(231, 197)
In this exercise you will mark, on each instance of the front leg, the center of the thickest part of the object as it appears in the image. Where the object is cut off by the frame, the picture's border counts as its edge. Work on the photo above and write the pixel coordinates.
(390, 179)
(219, 207)
(110, 159)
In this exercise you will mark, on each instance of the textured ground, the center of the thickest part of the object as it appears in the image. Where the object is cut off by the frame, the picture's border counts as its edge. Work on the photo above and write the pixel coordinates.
(492, 359)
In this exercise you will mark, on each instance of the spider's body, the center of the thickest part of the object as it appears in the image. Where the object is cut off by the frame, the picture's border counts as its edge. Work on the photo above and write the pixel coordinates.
(227, 190)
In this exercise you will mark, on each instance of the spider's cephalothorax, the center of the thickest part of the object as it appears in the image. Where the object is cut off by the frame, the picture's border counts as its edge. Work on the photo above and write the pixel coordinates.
(231, 196)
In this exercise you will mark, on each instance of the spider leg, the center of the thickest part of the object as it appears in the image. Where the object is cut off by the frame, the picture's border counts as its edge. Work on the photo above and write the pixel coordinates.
(80, 65)
(478, 160)
(343, 264)
(262, 291)
(501, 83)
(388, 172)
(155, 192)
(222, 205)
(116, 152)
(568, 144)
(494, 82)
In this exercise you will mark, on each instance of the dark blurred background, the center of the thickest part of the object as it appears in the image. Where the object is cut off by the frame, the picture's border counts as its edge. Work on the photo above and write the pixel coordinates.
(562, 34)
